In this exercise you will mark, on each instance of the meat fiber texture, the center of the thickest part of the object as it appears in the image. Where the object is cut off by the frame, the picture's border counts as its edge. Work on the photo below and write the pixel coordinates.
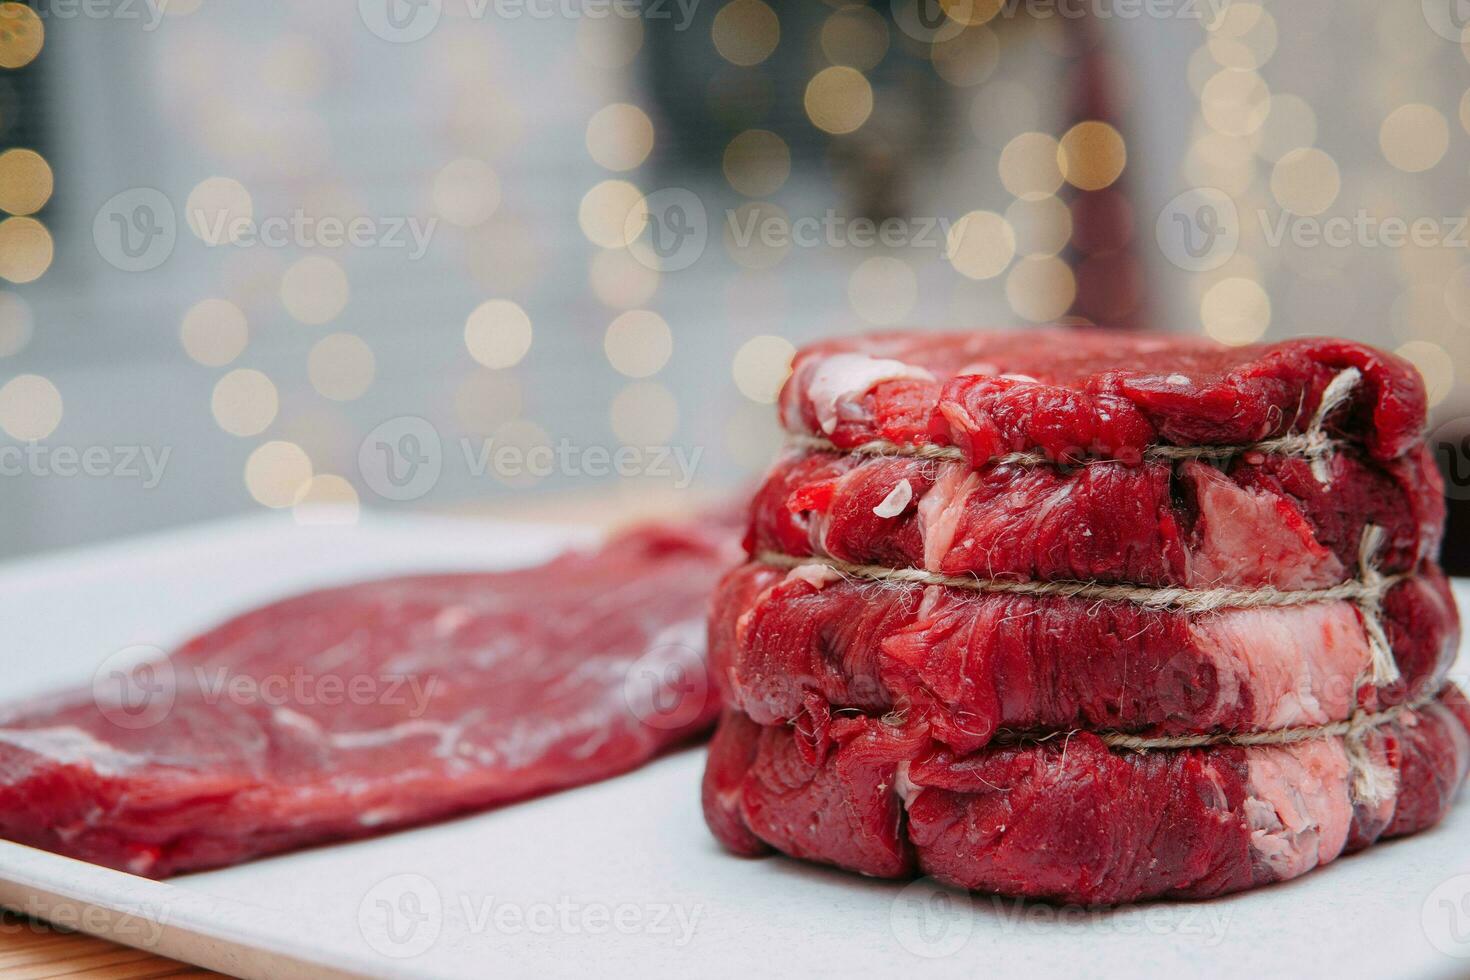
(356, 710)
(794, 646)
(1257, 520)
(1078, 393)
(1069, 819)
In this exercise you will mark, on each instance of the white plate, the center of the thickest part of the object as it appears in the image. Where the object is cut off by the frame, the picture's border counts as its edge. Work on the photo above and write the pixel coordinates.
(621, 878)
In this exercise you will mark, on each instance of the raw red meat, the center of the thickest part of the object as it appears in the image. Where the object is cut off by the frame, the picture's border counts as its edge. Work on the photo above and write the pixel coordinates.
(1261, 520)
(1074, 392)
(471, 690)
(963, 666)
(1069, 819)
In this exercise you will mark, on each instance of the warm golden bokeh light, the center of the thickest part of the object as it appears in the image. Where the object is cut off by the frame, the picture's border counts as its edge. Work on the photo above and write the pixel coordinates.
(219, 210)
(30, 407)
(620, 136)
(498, 333)
(981, 244)
(605, 212)
(244, 402)
(1029, 166)
(1236, 311)
(757, 163)
(1091, 155)
(314, 290)
(761, 365)
(638, 343)
(22, 35)
(26, 181)
(341, 367)
(1041, 288)
(214, 332)
(855, 36)
(26, 249)
(745, 32)
(1305, 181)
(326, 499)
(839, 100)
(1414, 137)
(278, 473)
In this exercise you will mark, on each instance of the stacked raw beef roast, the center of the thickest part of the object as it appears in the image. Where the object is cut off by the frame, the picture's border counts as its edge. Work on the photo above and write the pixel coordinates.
(1089, 617)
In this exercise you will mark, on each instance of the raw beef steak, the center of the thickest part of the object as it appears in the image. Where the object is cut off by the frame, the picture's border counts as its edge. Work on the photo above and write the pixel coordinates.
(355, 710)
(1257, 520)
(964, 666)
(1069, 819)
(1074, 393)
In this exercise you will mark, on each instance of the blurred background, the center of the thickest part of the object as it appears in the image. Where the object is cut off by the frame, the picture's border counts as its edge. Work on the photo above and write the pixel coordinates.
(461, 255)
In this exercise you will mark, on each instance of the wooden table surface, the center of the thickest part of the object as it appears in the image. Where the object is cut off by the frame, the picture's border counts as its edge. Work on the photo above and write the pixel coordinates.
(31, 949)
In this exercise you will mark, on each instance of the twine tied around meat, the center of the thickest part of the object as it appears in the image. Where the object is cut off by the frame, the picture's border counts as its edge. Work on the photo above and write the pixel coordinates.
(1312, 443)
(1372, 781)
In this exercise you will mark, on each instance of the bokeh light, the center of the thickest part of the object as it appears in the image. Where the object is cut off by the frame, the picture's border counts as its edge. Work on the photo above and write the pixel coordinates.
(761, 366)
(214, 332)
(341, 366)
(838, 100)
(26, 181)
(244, 402)
(620, 136)
(981, 244)
(498, 333)
(30, 407)
(638, 343)
(277, 473)
(314, 290)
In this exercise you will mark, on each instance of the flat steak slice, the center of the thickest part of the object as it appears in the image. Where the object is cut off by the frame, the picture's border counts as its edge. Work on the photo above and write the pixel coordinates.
(355, 710)
(1071, 820)
(1080, 392)
(964, 666)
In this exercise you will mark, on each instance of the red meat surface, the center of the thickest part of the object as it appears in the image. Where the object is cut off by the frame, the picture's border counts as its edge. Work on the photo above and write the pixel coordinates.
(1258, 520)
(355, 710)
(1069, 819)
(964, 666)
(1076, 392)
